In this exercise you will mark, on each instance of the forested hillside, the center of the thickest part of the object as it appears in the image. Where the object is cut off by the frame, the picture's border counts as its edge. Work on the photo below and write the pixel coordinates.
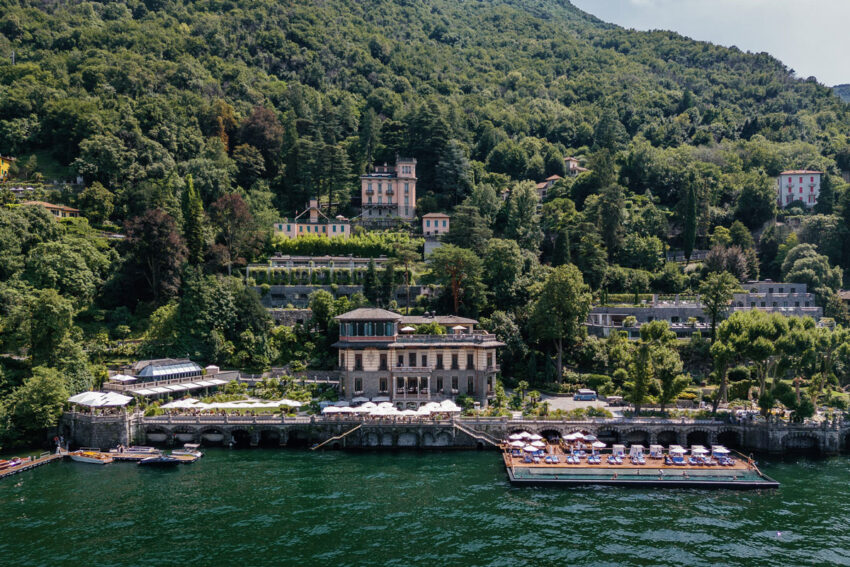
(196, 124)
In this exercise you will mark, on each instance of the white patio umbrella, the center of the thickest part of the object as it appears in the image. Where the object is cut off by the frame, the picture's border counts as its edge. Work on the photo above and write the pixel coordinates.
(518, 444)
(720, 450)
(535, 437)
(699, 450)
(578, 435)
(530, 449)
(590, 437)
(599, 445)
(570, 437)
(525, 434)
(540, 444)
(515, 436)
(330, 409)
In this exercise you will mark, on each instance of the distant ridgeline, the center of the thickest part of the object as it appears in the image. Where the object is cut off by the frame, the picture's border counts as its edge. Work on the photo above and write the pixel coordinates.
(842, 91)
(242, 92)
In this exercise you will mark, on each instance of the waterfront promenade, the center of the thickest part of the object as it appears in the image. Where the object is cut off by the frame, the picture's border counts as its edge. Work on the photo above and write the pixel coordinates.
(338, 432)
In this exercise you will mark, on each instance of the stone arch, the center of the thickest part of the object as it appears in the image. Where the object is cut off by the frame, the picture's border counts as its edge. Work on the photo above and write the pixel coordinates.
(372, 439)
(185, 434)
(297, 438)
(636, 437)
(551, 434)
(212, 436)
(698, 437)
(667, 437)
(157, 435)
(802, 443)
(730, 438)
(269, 438)
(609, 436)
(407, 439)
(240, 438)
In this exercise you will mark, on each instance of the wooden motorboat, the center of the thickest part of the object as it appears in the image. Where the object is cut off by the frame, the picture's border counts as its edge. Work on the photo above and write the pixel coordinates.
(190, 449)
(91, 457)
(161, 461)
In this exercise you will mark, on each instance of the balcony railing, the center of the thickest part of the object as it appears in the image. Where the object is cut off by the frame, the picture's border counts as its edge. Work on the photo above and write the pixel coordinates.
(460, 338)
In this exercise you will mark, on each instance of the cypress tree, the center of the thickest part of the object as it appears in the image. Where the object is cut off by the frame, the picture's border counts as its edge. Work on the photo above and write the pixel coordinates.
(370, 284)
(689, 234)
(561, 253)
(193, 222)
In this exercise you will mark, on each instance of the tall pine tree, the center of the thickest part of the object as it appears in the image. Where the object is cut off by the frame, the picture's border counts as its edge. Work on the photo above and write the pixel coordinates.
(193, 222)
(689, 233)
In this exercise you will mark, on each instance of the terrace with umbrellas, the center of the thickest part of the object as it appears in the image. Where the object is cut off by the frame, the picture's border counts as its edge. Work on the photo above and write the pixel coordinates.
(582, 449)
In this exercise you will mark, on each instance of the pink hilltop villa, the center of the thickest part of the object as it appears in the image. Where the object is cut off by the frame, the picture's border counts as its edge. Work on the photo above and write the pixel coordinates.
(389, 192)
(799, 185)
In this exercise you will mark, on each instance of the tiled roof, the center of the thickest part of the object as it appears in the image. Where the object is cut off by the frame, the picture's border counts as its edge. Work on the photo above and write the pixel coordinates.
(800, 172)
(368, 314)
(435, 215)
(50, 206)
(445, 320)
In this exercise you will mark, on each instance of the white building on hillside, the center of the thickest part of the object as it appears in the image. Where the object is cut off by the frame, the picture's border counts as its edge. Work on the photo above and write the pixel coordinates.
(799, 185)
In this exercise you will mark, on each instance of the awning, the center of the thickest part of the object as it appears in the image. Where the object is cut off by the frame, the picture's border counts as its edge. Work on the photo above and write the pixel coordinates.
(100, 399)
(122, 378)
(144, 392)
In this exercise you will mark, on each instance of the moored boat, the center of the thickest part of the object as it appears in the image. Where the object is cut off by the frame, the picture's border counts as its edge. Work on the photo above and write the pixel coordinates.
(91, 457)
(162, 461)
(190, 449)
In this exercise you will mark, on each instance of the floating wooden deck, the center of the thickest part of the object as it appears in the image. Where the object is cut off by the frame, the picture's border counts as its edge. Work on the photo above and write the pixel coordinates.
(743, 475)
(31, 464)
(136, 457)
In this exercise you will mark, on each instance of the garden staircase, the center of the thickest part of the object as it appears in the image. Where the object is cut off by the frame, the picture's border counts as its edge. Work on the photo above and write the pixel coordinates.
(479, 435)
(338, 437)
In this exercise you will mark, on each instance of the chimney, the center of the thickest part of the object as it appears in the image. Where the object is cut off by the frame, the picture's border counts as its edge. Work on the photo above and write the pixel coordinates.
(314, 213)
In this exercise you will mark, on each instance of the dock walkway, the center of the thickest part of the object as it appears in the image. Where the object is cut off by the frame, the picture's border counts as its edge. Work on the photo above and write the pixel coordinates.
(43, 459)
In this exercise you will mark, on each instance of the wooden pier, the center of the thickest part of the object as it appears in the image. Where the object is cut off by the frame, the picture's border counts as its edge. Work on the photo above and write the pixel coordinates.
(43, 459)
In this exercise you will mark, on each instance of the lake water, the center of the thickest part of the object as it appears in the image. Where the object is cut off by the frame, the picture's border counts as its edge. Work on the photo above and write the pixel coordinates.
(278, 507)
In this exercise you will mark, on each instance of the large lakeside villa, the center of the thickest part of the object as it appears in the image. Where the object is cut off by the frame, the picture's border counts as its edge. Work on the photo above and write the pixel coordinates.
(383, 359)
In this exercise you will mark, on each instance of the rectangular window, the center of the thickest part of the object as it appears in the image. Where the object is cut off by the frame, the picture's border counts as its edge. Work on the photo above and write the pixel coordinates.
(470, 385)
(424, 361)
(811, 179)
(383, 362)
(334, 228)
(383, 385)
(288, 228)
(341, 360)
(358, 362)
(399, 384)
(300, 229)
(439, 383)
(454, 383)
(470, 362)
(358, 385)
(489, 360)
(400, 360)
(324, 229)
(439, 362)
(489, 384)
(428, 223)
(380, 188)
(455, 364)
(411, 358)
(381, 200)
(444, 224)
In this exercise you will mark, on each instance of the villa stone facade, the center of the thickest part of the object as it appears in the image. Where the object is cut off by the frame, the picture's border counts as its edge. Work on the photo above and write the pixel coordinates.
(381, 358)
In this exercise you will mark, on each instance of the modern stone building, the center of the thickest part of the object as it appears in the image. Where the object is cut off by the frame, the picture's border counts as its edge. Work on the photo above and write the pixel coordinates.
(313, 222)
(389, 192)
(686, 315)
(382, 358)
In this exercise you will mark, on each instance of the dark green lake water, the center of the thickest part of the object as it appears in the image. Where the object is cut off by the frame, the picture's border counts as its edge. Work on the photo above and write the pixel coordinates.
(276, 507)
